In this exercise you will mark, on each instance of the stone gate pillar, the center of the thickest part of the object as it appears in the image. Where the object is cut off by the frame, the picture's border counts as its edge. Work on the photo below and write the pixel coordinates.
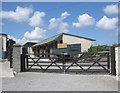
(17, 51)
(117, 55)
(117, 58)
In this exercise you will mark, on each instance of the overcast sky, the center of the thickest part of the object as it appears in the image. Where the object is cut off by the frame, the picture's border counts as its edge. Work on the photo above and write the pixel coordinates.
(36, 21)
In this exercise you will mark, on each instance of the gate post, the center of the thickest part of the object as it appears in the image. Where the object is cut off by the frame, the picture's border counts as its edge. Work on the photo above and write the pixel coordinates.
(108, 60)
(23, 60)
(10, 57)
(27, 61)
(113, 62)
(17, 51)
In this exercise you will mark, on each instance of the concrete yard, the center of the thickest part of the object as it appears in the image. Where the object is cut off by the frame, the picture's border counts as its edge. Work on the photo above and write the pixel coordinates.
(35, 81)
(5, 70)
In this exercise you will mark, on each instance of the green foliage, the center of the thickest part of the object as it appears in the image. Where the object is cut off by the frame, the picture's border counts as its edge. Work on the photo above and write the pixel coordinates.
(116, 45)
(99, 48)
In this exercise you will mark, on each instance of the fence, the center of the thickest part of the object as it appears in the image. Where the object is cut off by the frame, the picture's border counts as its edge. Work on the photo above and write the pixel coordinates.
(80, 62)
(92, 62)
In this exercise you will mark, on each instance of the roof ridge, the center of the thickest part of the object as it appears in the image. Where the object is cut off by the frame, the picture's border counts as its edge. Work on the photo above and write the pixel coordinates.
(79, 36)
(50, 39)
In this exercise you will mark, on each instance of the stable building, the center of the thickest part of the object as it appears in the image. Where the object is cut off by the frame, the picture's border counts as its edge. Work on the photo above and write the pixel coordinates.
(27, 46)
(62, 40)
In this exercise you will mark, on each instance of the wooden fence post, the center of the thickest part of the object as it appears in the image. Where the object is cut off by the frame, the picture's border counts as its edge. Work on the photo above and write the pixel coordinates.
(113, 62)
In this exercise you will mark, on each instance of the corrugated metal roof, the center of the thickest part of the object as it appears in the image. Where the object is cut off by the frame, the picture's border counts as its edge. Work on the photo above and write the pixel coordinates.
(48, 40)
(29, 44)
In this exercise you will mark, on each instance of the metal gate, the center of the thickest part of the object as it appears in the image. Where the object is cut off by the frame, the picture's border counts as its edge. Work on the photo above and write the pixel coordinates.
(79, 62)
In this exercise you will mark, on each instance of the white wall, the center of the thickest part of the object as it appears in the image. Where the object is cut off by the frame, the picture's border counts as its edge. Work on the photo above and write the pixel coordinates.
(30, 51)
(0, 48)
(85, 44)
(4, 41)
(117, 58)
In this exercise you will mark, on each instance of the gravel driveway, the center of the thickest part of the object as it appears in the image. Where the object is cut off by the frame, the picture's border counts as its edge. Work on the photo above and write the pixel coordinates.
(35, 81)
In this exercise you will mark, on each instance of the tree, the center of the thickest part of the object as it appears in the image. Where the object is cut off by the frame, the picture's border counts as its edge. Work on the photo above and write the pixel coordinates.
(99, 48)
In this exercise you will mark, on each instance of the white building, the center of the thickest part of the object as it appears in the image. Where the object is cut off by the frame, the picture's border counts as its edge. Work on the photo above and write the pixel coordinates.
(3, 43)
(72, 39)
(65, 39)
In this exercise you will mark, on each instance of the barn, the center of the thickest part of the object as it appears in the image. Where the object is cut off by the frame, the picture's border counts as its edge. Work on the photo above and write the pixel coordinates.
(62, 40)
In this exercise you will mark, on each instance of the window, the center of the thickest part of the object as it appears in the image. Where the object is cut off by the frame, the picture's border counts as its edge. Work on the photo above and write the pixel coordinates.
(61, 41)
